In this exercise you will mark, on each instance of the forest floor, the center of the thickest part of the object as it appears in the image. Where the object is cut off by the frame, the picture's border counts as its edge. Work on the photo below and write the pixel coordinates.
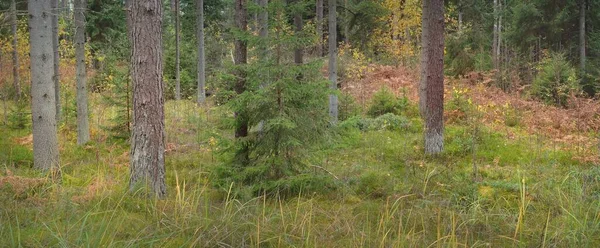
(515, 172)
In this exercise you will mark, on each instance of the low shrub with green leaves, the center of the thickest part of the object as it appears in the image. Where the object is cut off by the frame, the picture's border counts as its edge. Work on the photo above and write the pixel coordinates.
(555, 81)
(384, 101)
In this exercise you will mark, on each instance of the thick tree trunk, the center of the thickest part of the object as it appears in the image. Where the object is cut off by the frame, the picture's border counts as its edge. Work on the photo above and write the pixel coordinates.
(83, 129)
(333, 99)
(148, 134)
(240, 58)
(432, 75)
(201, 59)
(45, 141)
(177, 52)
(582, 57)
(298, 52)
(320, 28)
(15, 53)
(54, 17)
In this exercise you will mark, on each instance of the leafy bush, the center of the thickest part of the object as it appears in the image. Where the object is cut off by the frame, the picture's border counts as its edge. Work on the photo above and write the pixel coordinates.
(384, 101)
(347, 107)
(387, 121)
(555, 80)
(19, 117)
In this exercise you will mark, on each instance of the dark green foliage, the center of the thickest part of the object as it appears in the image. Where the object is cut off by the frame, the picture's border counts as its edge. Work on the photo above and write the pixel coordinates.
(555, 81)
(19, 116)
(115, 80)
(347, 107)
(384, 101)
(387, 121)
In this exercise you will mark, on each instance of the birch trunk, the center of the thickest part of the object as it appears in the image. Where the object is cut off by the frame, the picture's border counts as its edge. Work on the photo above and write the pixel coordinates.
(43, 112)
(83, 129)
(148, 133)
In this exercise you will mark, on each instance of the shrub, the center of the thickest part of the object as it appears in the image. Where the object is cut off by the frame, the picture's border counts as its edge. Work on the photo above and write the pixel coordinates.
(347, 107)
(387, 121)
(555, 80)
(384, 101)
(19, 116)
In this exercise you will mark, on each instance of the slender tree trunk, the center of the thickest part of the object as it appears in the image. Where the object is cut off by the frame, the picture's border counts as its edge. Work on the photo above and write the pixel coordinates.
(240, 59)
(45, 141)
(320, 28)
(333, 99)
(83, 129)
(346, 23)
(432, 74)
(263, 28)
(148, 134)
(298, 52)
(495, 36)
(15, 53)
(177, 52)
(54, 17)
(582, 57)
(499, 37)
(460, 16)
(201, 59)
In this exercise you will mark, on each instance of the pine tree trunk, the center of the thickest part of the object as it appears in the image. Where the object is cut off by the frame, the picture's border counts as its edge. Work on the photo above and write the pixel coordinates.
(240, 58)
(83, 129)
(320, 28)
(15, 53)
(495, 36)
(45, 141)
(263, 28)
(460, 16)
(298, 52)
(177, 52)
(333, 99)
(148, 134)
(582, 57)
(54, 17)
(432, 75)
(201, 59)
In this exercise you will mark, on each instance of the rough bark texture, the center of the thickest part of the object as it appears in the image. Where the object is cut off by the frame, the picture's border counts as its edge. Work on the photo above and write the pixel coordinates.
(45, 141)
(582, 36)
(148, 134)
(54, 6)
(432, 74)
(333, 99)
(240, 58)
(83, 129)
(177, 52)
(201, 58)
(263, 27)
(320, 27)
(15, 54)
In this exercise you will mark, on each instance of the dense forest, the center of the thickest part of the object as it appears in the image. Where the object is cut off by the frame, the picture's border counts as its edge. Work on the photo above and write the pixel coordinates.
(296, 123)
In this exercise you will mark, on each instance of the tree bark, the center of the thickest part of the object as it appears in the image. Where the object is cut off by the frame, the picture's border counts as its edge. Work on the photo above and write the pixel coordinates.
(432, 75)
(83, 129)
(177, 52)
(333, 99)
(15, 53)
(240, 58)
(495, 36)
(582, 56)
(201, 58)
(263, 28)
(45, 141)
(298, 52)
(54, 17)
(320, 28)
(148, 134)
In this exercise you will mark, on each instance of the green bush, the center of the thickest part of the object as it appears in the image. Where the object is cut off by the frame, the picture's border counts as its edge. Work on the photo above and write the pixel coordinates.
(347, 107)
(19, 117)
(384, 101)
(387, 121)
(555, 80)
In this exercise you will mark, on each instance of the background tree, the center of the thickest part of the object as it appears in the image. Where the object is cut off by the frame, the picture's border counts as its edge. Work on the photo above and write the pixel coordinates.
(148, 133)
(240, 60)
(319, 27)
(175, 9)
(333, 99)
(56, 78)
(201, 59)
(83, 129)
(43, 113)
(432, 75)
(15, 54)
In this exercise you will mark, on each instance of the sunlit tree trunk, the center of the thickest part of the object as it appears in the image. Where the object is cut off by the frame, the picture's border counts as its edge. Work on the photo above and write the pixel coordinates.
(432, 75)
(54, 17)
(83, 129)
(43, 112)
(15, 53)
(148, 133)
(333, 99)
(201, 58)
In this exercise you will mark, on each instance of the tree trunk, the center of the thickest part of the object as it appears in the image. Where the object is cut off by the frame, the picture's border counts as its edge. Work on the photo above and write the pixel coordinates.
(15, 53)
(333, 99)
(45, 141)
(346, 23)
(83, 129)
(432, 75)
(263, 28)
(201, 59)
(495, 36)
(298, 52)
(240, 58)
(177, 52)
(320, 28)
(460, 17)
(582, 36)
(54, 17)
(148, 134)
